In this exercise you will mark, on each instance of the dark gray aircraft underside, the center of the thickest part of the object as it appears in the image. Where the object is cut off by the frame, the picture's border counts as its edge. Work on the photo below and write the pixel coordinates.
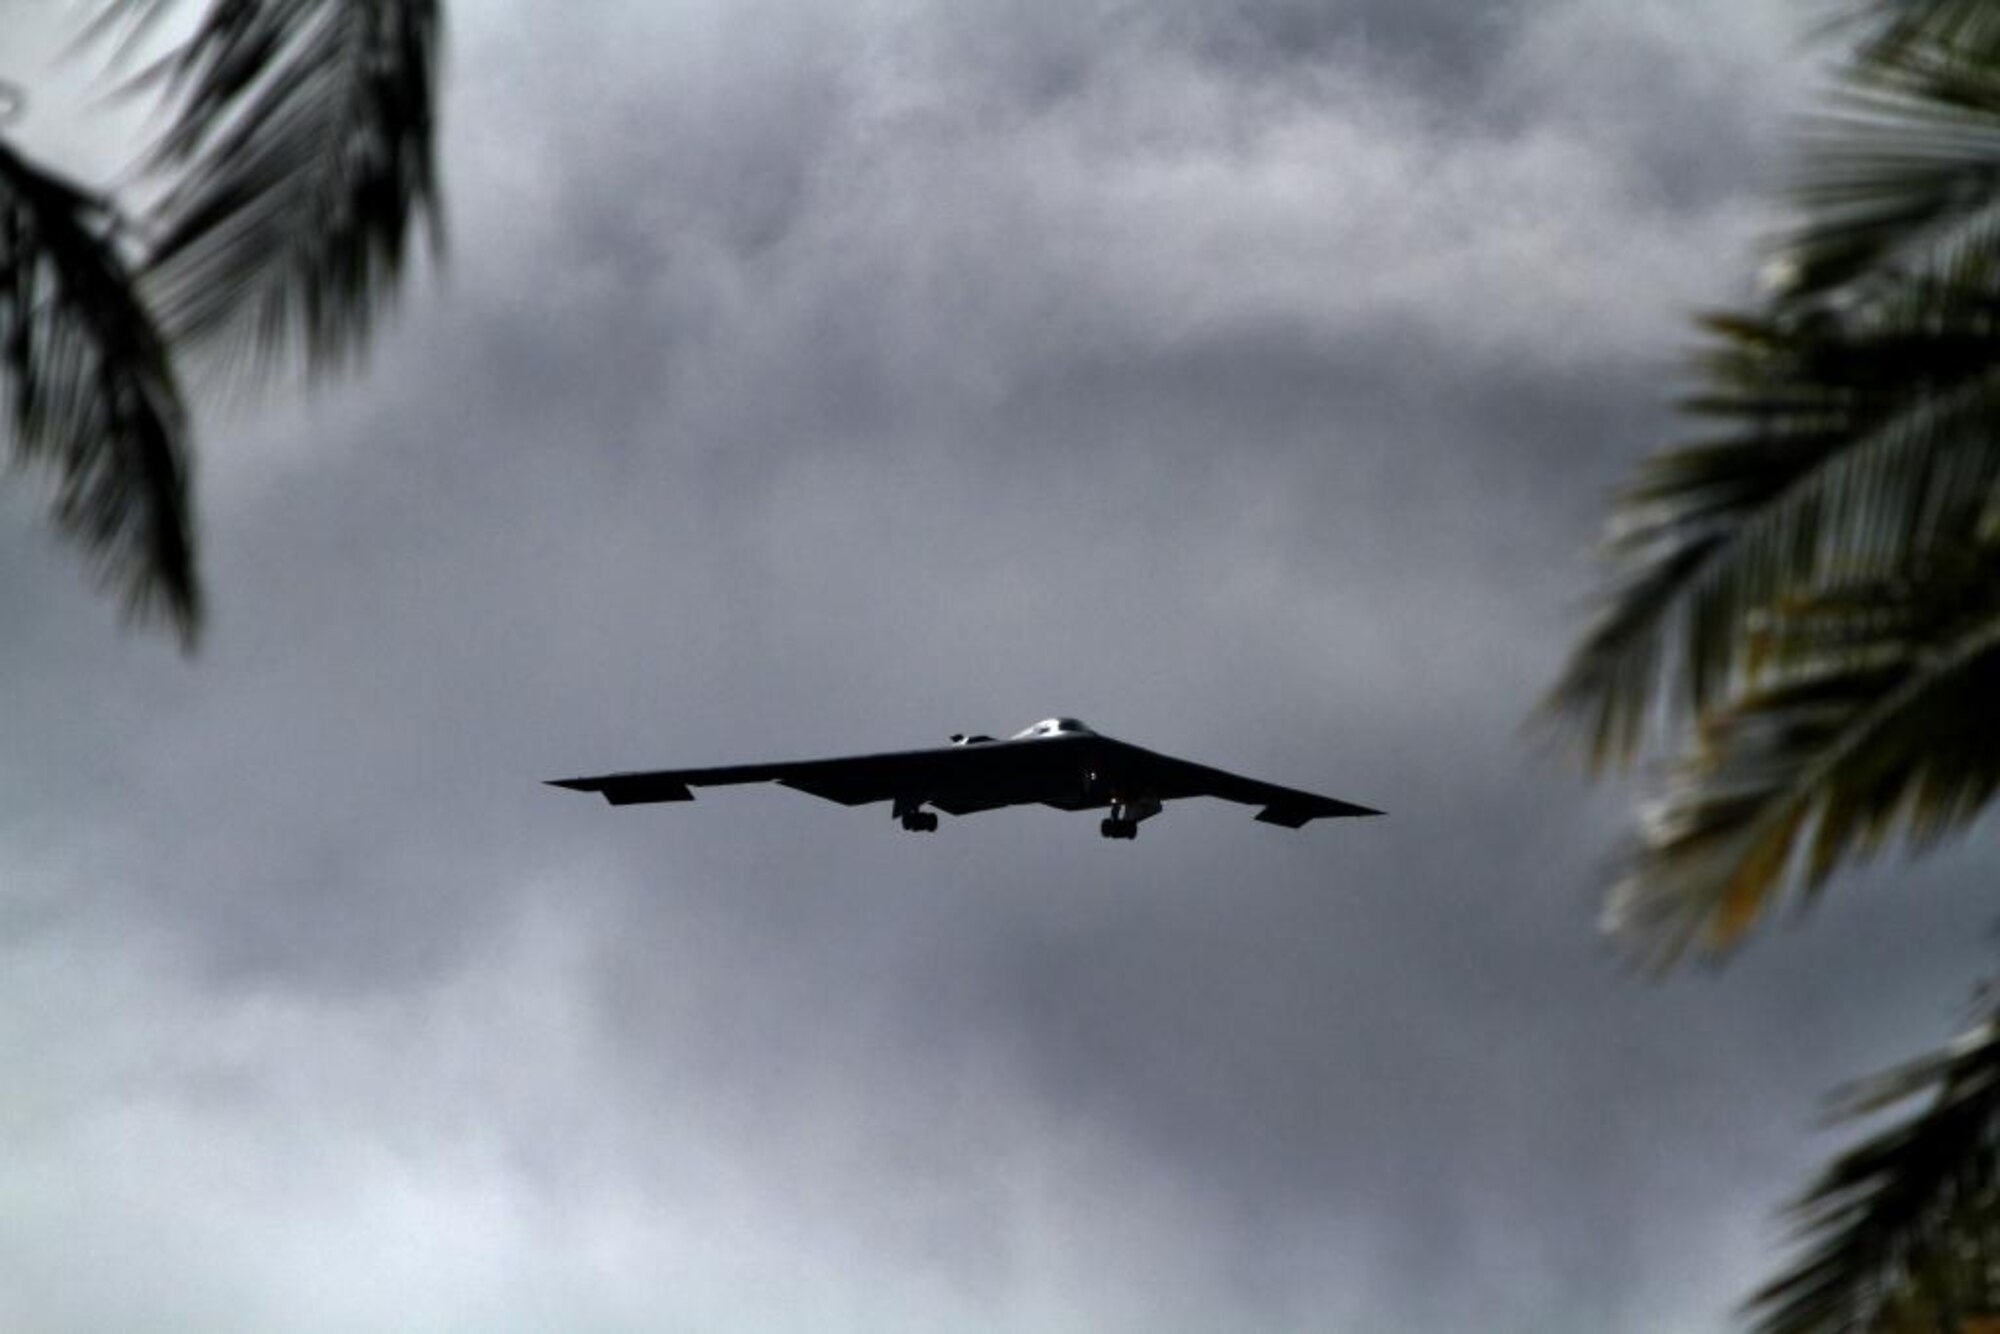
(1058, 762)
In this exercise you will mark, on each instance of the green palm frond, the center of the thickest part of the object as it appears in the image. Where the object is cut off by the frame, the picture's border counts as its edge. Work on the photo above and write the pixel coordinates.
(1861, 442)
(1903, 176)
(1887, 26)
(1880, 717)
(1900, 1231)
(301, 154)
(1812, 598)
(1860, 407)
(91, 393)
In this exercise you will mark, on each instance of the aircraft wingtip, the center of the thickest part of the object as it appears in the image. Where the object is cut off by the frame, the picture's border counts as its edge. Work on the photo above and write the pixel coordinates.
(1296, 817)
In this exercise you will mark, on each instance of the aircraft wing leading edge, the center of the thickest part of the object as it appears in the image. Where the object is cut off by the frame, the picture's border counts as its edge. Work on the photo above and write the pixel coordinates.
(1070, 770)
(1290, 807)
(851, 780)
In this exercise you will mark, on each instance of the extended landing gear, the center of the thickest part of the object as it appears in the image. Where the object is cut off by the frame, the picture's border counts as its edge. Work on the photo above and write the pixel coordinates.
(1125, 817)
(914, 817)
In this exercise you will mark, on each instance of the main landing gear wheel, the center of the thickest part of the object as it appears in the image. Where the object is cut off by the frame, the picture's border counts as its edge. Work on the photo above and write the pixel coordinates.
(1116, 828)
(921, 822)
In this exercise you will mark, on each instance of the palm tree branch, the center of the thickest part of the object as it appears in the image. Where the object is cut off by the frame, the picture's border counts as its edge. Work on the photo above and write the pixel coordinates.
(92, 394)
(303, 150)
(1894, 1221)
(1841, 467)
(1889, 25)
(1902, 175)
(1831, 763)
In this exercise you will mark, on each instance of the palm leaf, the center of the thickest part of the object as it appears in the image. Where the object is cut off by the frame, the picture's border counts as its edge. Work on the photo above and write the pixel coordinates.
(91, 392)
(1899, 1231)
(1859, 407)
(1887, 26)
(301, 157)
(1881, 718)
(1901, 177)
(1862, 442)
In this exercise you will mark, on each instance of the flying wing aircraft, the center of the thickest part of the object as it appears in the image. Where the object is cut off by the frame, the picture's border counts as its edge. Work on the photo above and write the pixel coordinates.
(1058, 762)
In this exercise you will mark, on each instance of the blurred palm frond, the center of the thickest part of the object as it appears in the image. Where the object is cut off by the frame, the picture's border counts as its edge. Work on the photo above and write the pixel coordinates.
(1788, 606)
(301, 158)
(1876, 715)
(1883, 27)
(1899, 1231)
(1901, 177)
(1855, 445)
(91, 393)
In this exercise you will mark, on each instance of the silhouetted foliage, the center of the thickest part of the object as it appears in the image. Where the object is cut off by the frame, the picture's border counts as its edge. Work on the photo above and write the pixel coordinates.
(1804, 615)
(91, 391)
(1901, 1228)
(1796, 595)
(296, 160)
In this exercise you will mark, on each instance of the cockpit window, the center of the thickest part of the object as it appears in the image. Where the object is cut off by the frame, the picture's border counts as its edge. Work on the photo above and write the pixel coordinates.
(1057, 727)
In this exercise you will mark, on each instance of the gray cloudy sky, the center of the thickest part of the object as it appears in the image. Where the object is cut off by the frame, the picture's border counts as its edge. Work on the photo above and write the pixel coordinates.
(1244, 378)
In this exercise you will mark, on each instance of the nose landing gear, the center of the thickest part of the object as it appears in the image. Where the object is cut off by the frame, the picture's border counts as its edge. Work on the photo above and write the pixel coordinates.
(1116, 828)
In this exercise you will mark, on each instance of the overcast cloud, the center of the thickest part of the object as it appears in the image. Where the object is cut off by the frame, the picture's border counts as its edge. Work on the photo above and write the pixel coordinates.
(1243, 378)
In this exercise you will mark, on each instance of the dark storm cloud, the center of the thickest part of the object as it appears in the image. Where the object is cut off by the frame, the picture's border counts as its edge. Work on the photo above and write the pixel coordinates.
(1042, 54)
(1433, 39)
(809, 382)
